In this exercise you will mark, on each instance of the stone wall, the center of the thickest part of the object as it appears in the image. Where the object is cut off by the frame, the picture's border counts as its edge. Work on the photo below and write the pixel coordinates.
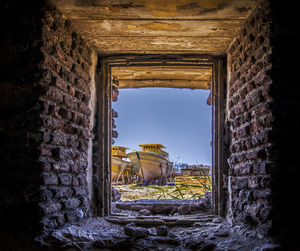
(65, 122)
(263, 117)
(45, 93)
(249, 118)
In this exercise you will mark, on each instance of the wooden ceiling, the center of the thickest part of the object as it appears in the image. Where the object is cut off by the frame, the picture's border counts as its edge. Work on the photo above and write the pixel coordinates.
(162, 76)
(157, 26)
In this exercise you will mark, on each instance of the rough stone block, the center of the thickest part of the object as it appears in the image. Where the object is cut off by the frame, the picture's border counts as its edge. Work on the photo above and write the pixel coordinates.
(55, 95)
(63, 192)
(65, 114)
(70, 203)
(65, 178)
(59, 139)
(46, 195)
(80, 191)
(58, 217)
(253, 182)
(60, 154)
(71, 102)
(49, 179)
(49, 207)
(83, 145)
(60, 83)
(62, 166)
(81, 179)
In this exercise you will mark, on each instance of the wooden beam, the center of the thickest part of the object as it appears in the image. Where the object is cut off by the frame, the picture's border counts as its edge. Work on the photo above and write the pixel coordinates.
(161, 72)
(204, 45)
(150, 28)
(218, 104)
(105, 136)
(155, 9)
(172, 83)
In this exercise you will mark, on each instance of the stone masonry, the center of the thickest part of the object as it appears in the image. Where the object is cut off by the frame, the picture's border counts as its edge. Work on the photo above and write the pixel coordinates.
(47, 131)
(261, 114)
(249, 117)
(46, 123)
(65, 122)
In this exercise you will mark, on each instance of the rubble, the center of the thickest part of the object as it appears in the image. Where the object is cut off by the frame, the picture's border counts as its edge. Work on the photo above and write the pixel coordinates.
(145, 211)
(115, 195)
(132, 230)
(162, 230)
(166, 206)
(100, 234)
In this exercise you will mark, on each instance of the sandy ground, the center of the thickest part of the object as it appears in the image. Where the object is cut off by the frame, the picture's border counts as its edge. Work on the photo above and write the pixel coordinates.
(134, 192)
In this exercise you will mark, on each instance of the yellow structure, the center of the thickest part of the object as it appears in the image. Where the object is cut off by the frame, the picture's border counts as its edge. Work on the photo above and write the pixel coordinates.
(120, 169)
(199, 184)
(118, 151)
(151, 163)
(156, 148)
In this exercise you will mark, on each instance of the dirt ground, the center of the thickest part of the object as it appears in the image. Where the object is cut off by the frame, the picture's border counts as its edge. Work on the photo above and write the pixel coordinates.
(135, 192)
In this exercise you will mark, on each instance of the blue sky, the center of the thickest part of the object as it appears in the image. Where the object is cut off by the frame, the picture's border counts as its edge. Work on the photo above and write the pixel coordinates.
(179, 119)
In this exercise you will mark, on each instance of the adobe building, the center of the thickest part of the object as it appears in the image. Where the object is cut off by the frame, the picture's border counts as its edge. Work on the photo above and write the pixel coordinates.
(62, 63)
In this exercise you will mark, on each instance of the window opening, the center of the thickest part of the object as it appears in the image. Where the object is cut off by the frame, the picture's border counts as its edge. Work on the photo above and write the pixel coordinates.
(103, 191)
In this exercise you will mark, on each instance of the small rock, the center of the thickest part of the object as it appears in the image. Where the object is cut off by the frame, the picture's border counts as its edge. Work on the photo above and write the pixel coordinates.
(207, 247)
(184, 209)
(115, 195)
(99, 244)
(217, 220)
(221, 234)
(132, 230)
(162, 230)
(270, 247)
(200, 244)
(152, 231)
(198, 224)
(145, 211)
(167, 240)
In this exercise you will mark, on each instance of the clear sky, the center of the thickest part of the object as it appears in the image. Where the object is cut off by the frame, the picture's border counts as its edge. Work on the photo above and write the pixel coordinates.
(179, 119)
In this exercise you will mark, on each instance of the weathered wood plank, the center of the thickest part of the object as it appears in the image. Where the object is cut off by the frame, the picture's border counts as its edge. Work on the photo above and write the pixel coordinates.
(207, 45)
(172, 83)
(144, 72)
(148, 28)
(155, 9)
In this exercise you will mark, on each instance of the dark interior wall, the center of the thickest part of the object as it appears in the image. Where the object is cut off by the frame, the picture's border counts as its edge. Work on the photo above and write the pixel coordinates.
(45, 122)
(285, 92)
(263, 118)
(20, 73)
(250, 118)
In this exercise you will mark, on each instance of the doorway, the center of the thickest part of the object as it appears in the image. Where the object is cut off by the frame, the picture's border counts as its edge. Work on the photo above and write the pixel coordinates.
(186, 62)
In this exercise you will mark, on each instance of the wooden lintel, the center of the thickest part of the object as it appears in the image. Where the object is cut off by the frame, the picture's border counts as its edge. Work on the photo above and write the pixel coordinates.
(172, 83)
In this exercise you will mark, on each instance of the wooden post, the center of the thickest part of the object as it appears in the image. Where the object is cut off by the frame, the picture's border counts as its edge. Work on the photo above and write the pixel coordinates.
(104, 131)
(218, 102)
